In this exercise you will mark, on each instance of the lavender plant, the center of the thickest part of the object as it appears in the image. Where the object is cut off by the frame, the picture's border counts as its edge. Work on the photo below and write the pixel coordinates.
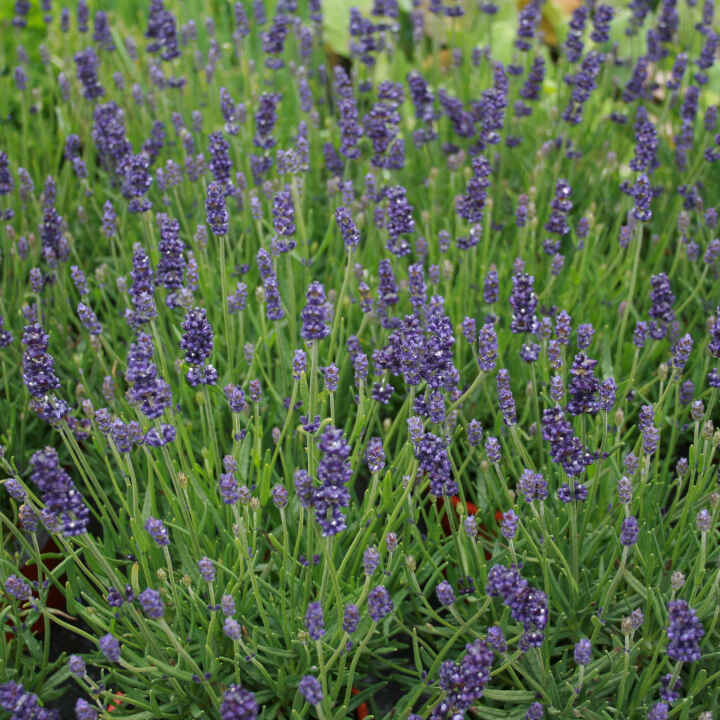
(382, 387)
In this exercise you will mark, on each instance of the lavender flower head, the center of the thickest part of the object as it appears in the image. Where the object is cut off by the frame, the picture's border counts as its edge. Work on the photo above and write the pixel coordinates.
(110, 647)
(217, 214)
(65, 508)
(238, 704)
(315, 315)
(684, 632)
(197, 342)
(314, 622)
(311, 690)
(523, 302)
(151, 603)
(380, 604)
(157, 531)
(583, 651)
(333, 472)
(445, 593)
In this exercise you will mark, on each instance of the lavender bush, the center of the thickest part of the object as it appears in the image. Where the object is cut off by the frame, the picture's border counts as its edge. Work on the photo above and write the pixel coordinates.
(384, 386)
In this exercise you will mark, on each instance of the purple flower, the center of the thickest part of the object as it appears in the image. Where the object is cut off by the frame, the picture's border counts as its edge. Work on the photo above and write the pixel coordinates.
(15, 489)
(232, 629)
(283, 212)
(87, 63)
(470, 206)
(238, 704)
(333, 472)
(151, 603)
(399, 220)
(110, 647)
(351, 618)
(474, 433)
(445, 593)
(197, 342)
(280, 496)
(273, 301)
(299, 364)
(238, 300)
(76, 665)
(348, 229)
(585, 334)
(490, 286)
(601, 23)
(380, 604)
(22, 704)
(311, 690)
(316, 314)
(560, 207)
(314, 622)
(63, 503)
(157, 531)
(492, 449)
(83, 709)
(220, 163)
(629, 532)
(371, 560)
(331, 376)
(207, 569)
(523, 302)
(217, 214)
(528, 605)
(509, 524)
(227, 605)
(431, 452)
(583, 83)
(625, 490)
(532, 485)
(496, 639)
(642, 194)
(528, 19)
(273, 41)
(565, 448)
(147, 390)
(506, 401)
(681, 352)
(659, 711)
(464, 681)
(536, 710)
(646, 143)
(374, 455)
(583, 387)
(136, 182)
(171, 265)
(530, 352)
(38, 365)
(583, 651)
(607, 391)
(487, 347)
(17, 588)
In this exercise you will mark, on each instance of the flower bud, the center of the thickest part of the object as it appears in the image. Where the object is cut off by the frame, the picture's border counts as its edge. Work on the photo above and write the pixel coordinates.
(708, 430)
(677, 580)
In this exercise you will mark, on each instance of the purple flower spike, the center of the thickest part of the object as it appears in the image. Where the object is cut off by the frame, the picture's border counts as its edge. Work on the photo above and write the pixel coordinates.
(238, 704)
(316, 314)
(311, 690)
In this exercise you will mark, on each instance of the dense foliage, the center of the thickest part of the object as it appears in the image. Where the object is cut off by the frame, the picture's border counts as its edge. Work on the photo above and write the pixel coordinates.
(373, 384)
